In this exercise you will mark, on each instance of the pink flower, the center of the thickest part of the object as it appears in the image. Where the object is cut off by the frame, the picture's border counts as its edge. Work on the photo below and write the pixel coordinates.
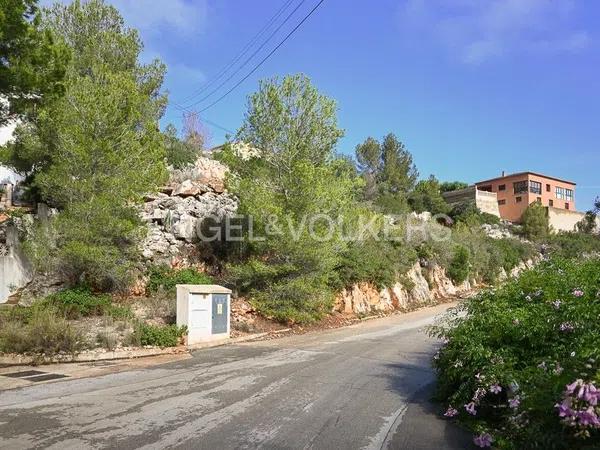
(470, 408)
(588, 417)
(483, 440)
(564, 409)
(451, 412)
(514, 402)
(570, 388)
(495, 388)
(578, 293)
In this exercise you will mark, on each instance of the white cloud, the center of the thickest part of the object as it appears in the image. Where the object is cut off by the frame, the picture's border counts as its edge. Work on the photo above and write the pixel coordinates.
(157, 16)
(475, 31)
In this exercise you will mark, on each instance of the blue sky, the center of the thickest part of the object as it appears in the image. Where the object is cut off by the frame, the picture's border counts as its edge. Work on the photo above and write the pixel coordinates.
(472, 87)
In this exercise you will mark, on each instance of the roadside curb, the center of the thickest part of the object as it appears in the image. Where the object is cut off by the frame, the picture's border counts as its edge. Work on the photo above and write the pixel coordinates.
(133, 353)
(129, 353)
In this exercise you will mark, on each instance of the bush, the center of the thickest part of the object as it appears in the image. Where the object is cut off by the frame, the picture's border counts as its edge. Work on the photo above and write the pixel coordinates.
(303, 299)
(99, 251)
(167, 278)
(159, 336)
(469, 213)
(162, 304)
(45, 332)
(79, 302)
(257, 274)
(376, 261)
(535, 222)
(573, 245)
(458, 270)
(510, 358)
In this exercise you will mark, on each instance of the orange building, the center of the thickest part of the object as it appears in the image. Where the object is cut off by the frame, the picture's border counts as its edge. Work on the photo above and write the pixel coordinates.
(517, 191)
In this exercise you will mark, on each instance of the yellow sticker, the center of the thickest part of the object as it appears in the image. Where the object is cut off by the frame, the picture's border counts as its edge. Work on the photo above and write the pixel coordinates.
(220, 308)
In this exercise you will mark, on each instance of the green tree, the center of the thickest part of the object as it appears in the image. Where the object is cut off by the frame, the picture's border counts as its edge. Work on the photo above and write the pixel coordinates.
(32, 63)
(179, 153)
(588, 223)
(95, 151)
(448, 186)
(535, 222)
(294, 177)
(389, 172)
(459, 267)
(426, 196)
(290, 120)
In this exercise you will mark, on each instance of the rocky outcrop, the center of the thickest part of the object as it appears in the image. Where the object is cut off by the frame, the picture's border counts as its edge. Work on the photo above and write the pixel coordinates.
(363, 298)
(176, 215)
(420, 286)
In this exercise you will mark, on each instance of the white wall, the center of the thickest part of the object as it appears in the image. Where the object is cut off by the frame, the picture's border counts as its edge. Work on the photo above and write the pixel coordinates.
(564, 219)
(7, 175)
(15, 269)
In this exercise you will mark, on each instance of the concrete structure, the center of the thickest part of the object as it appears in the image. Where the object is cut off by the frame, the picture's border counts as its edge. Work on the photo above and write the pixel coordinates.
(565, 220)
(517, 191)
(15, 268)
(204, 309)
(486, 201)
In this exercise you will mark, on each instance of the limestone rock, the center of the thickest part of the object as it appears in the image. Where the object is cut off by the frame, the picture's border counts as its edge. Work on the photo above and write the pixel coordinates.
(188, 188)
(195, 193)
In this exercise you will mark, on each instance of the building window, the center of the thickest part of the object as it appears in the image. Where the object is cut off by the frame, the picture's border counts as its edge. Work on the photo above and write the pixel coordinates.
(560, 193)
(539, 200)
(548, 188)
(550, 202)
(569, 195)
(520, 187)
(502, 187)
(519, 199)
(535, 187)
(487, 188)
(566, 205)
(501, 202)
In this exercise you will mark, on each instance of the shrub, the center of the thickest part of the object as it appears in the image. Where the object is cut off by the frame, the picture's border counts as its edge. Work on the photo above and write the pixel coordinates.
(573, 245)
(469, 213)
(458, 270)
(510, 359)
(535, 222)
(303, 299)
(167, 278)
(375, 261)
(78, 302)
(159, 336)
(162, 304)
(257, 274)
(46, 332)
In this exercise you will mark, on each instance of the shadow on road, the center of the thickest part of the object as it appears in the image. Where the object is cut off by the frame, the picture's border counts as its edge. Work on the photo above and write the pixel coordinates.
(422, 426)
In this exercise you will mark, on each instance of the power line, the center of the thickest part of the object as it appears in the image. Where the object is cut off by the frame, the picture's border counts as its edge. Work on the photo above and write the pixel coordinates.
(244, 50)
(265, 58)
(203, 119)
(245, 63)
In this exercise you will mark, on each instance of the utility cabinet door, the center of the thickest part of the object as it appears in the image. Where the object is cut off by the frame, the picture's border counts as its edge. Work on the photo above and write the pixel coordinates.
(219, 313)
(199, 312)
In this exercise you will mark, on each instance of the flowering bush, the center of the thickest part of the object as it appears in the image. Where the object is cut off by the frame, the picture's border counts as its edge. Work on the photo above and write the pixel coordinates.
(520, 364)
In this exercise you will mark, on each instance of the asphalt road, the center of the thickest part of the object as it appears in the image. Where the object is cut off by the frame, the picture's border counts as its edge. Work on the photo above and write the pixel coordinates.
(365, 386)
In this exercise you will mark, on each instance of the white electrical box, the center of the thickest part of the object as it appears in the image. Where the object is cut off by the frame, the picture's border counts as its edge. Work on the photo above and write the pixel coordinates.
(204, 309)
